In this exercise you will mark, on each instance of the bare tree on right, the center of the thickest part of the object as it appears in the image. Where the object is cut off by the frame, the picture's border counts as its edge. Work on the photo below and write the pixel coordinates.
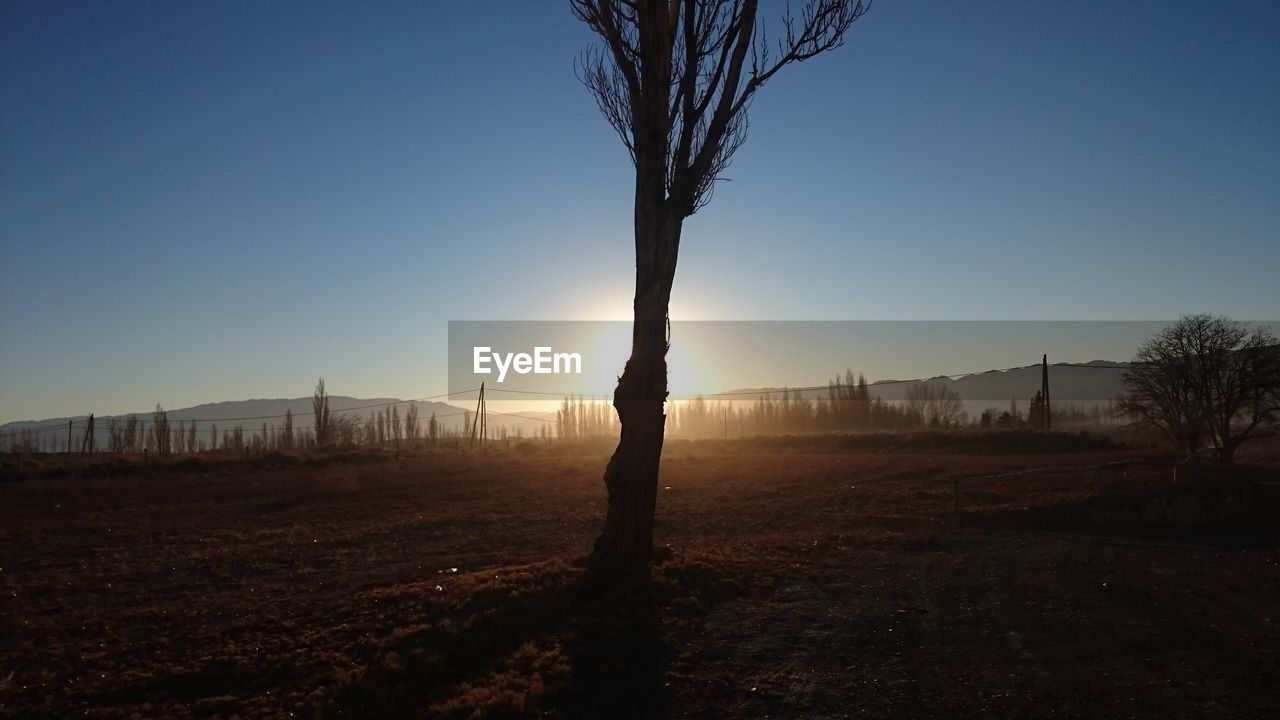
(1207, 380)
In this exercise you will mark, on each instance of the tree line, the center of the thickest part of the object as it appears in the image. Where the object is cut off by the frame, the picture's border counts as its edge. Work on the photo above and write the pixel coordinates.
(157, 434)
(847, 405)
(1203, 382)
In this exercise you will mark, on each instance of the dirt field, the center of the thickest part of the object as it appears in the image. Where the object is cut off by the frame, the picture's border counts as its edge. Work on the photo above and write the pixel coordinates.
(793, 584)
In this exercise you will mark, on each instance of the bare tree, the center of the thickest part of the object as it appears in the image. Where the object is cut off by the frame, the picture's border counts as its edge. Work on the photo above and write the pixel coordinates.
(131, 434)
(411, 424)
(320, 409)
(286, 436)
(343, 430)
(1206, 378)
(933, 404)
(394, 423)
(1244, 388)
(675, 80)
(160, 435)
(917, 397)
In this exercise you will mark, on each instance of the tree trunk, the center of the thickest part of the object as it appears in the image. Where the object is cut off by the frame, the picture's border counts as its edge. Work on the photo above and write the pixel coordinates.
(625, 546)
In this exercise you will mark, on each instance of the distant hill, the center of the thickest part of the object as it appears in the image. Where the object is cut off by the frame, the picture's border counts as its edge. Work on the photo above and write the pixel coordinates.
(252, 413)
(1087, 383)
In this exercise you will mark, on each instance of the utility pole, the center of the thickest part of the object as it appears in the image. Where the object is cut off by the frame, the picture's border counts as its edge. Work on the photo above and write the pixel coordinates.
(87, 444)
(478, 422)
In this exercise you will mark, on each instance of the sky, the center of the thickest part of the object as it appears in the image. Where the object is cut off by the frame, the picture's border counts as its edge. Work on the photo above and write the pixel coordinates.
(215, 201)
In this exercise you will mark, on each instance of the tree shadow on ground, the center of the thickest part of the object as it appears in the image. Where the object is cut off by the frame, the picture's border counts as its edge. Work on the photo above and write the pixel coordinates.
(534, 640)
(619, 658)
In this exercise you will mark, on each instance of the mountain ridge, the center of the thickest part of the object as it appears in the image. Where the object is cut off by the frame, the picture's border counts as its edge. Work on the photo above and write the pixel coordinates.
(1094, 381)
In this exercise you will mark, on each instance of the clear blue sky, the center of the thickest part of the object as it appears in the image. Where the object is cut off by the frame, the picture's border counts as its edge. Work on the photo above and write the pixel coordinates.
(206, 201)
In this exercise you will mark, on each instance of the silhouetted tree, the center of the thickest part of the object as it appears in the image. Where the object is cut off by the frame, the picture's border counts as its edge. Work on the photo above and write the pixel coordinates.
(917, 396)
(394, 422)
(1035, 413)
(933, 404)
(411, 424)
(160, 430)
(24, 441)
(286, 435)
(862, 404)
(674, 79)
(320, 409)
(345, 430)
(1204, 378)
(115, 436)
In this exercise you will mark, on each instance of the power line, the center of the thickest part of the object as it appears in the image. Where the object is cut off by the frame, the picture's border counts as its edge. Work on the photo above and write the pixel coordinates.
(526, 417)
